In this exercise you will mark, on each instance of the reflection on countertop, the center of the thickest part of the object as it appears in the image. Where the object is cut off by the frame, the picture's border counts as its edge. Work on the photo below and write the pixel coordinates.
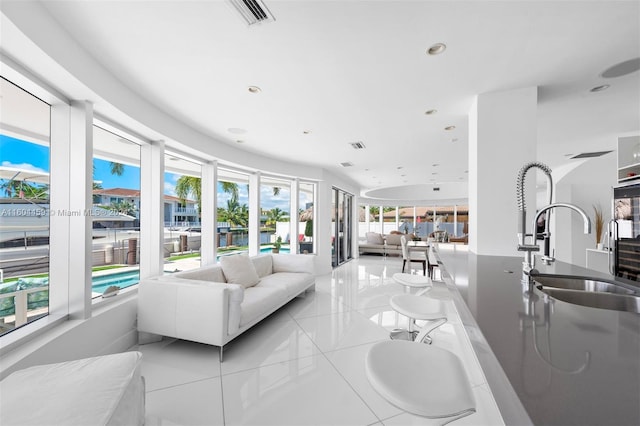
(568, 364)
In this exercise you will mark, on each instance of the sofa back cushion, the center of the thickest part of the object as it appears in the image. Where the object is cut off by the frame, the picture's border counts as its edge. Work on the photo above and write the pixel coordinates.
(239, 269)
(374, 238)
(263, 265)
(293, 263)
(206, 273)
(393, 239)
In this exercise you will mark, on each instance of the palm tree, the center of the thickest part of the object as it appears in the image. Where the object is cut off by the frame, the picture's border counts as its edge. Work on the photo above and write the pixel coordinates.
(274, 216)
(189, 185)
(124, 207)
(116, 168)
(237, 214)
(230, 188)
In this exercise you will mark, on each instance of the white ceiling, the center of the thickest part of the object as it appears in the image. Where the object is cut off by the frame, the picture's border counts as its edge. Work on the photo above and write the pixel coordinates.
(352, 71)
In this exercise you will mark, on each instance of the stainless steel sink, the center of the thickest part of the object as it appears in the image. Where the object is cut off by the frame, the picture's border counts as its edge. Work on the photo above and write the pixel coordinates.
(589, 292)
(614, 301)
(580, 283)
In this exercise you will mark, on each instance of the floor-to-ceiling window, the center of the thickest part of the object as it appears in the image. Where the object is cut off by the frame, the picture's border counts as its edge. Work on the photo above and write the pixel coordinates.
(275, 202)
(233, 211)
(182, 206)
(24, 206)
(115, 212)
(306, 226)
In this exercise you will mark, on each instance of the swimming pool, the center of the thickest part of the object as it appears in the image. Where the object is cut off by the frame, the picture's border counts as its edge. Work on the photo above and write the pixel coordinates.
(122, 279)
(268, 249)
(128, 278)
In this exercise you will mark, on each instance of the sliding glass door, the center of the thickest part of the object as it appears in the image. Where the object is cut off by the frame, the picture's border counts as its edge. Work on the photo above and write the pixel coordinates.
(341, 227)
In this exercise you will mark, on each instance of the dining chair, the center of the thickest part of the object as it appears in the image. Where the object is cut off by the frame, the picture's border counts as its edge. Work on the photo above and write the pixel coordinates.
(418, 256)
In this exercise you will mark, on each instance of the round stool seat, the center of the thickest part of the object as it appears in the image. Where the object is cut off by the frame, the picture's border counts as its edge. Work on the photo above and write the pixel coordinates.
(417, 307)
(410, 280)
(423, 380)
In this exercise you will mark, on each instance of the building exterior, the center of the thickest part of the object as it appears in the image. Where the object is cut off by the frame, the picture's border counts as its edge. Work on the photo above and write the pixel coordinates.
(176, 211)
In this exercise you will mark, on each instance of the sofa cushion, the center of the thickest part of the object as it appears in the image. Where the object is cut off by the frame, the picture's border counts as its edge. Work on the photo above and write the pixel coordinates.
(293, 283)
(260, 301)
(263, 264)
(394, 239)
(206, 273)
(374, 238)
(293, 263)
(239, 269)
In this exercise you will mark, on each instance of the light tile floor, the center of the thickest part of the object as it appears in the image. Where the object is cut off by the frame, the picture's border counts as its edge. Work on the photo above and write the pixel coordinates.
(304, 365)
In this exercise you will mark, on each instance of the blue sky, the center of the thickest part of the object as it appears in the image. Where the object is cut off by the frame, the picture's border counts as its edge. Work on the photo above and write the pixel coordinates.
(31, 156)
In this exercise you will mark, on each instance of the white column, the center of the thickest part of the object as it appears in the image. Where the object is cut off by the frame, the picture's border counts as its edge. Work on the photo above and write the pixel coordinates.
(455, 220)
(367, 219)
(254, 214)
(208, 216)
(151, 209)
(502, 138)
(381, 218)
(80, 201)
(60, 195)
(294, 221)
(397, 217)
(414, 219)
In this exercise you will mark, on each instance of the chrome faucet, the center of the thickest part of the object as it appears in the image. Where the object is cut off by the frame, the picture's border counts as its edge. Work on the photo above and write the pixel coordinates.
(522, 217)
(587, 223)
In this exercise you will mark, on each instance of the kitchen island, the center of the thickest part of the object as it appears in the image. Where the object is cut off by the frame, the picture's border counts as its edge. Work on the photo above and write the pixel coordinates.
(547, 362)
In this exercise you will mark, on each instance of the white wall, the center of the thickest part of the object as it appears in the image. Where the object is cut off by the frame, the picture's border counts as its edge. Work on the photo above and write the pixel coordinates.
(588, 184)
(502, 138)
(111, 329)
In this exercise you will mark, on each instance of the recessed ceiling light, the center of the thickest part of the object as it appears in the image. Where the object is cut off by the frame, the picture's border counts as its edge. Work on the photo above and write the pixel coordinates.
(431, 111)
(306, 132)
(454, 140)
(236, 130)
(435, 164)
(450, 127)
(254, 89)
(466, 171)
(434, 173)
(239, 141)
(437, 49)
(600, 88)
(366, 170)
(402, 175)
(399, 167)
(623, 68)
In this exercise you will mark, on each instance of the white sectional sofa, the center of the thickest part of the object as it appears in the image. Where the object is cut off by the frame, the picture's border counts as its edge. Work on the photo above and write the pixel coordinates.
(215, 304)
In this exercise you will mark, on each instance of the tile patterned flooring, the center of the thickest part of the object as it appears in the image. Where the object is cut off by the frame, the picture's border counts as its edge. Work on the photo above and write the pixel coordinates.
(304, 365)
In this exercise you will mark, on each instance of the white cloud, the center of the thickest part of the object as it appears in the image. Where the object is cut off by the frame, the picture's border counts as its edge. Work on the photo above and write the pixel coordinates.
(169, 188)
(23, 166)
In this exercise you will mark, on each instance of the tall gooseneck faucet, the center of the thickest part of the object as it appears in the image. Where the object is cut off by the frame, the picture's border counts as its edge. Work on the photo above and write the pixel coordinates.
(522, 218)
(522, 213)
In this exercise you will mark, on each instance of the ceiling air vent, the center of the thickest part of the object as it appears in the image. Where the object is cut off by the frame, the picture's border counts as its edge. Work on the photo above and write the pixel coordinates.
(589, 154)
(253, 11)
(357, 145)
(346, 164)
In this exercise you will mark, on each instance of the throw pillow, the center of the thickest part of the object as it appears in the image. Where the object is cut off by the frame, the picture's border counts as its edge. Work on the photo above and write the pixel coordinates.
(394, 239)
(239, 269)
(374, 238)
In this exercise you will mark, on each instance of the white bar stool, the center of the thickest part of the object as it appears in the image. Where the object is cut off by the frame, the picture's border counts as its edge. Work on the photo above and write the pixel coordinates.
(420, 379)
(410, 281)
(417, 308)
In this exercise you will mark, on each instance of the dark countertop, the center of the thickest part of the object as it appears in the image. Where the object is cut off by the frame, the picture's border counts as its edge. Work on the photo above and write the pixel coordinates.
(568, 364)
